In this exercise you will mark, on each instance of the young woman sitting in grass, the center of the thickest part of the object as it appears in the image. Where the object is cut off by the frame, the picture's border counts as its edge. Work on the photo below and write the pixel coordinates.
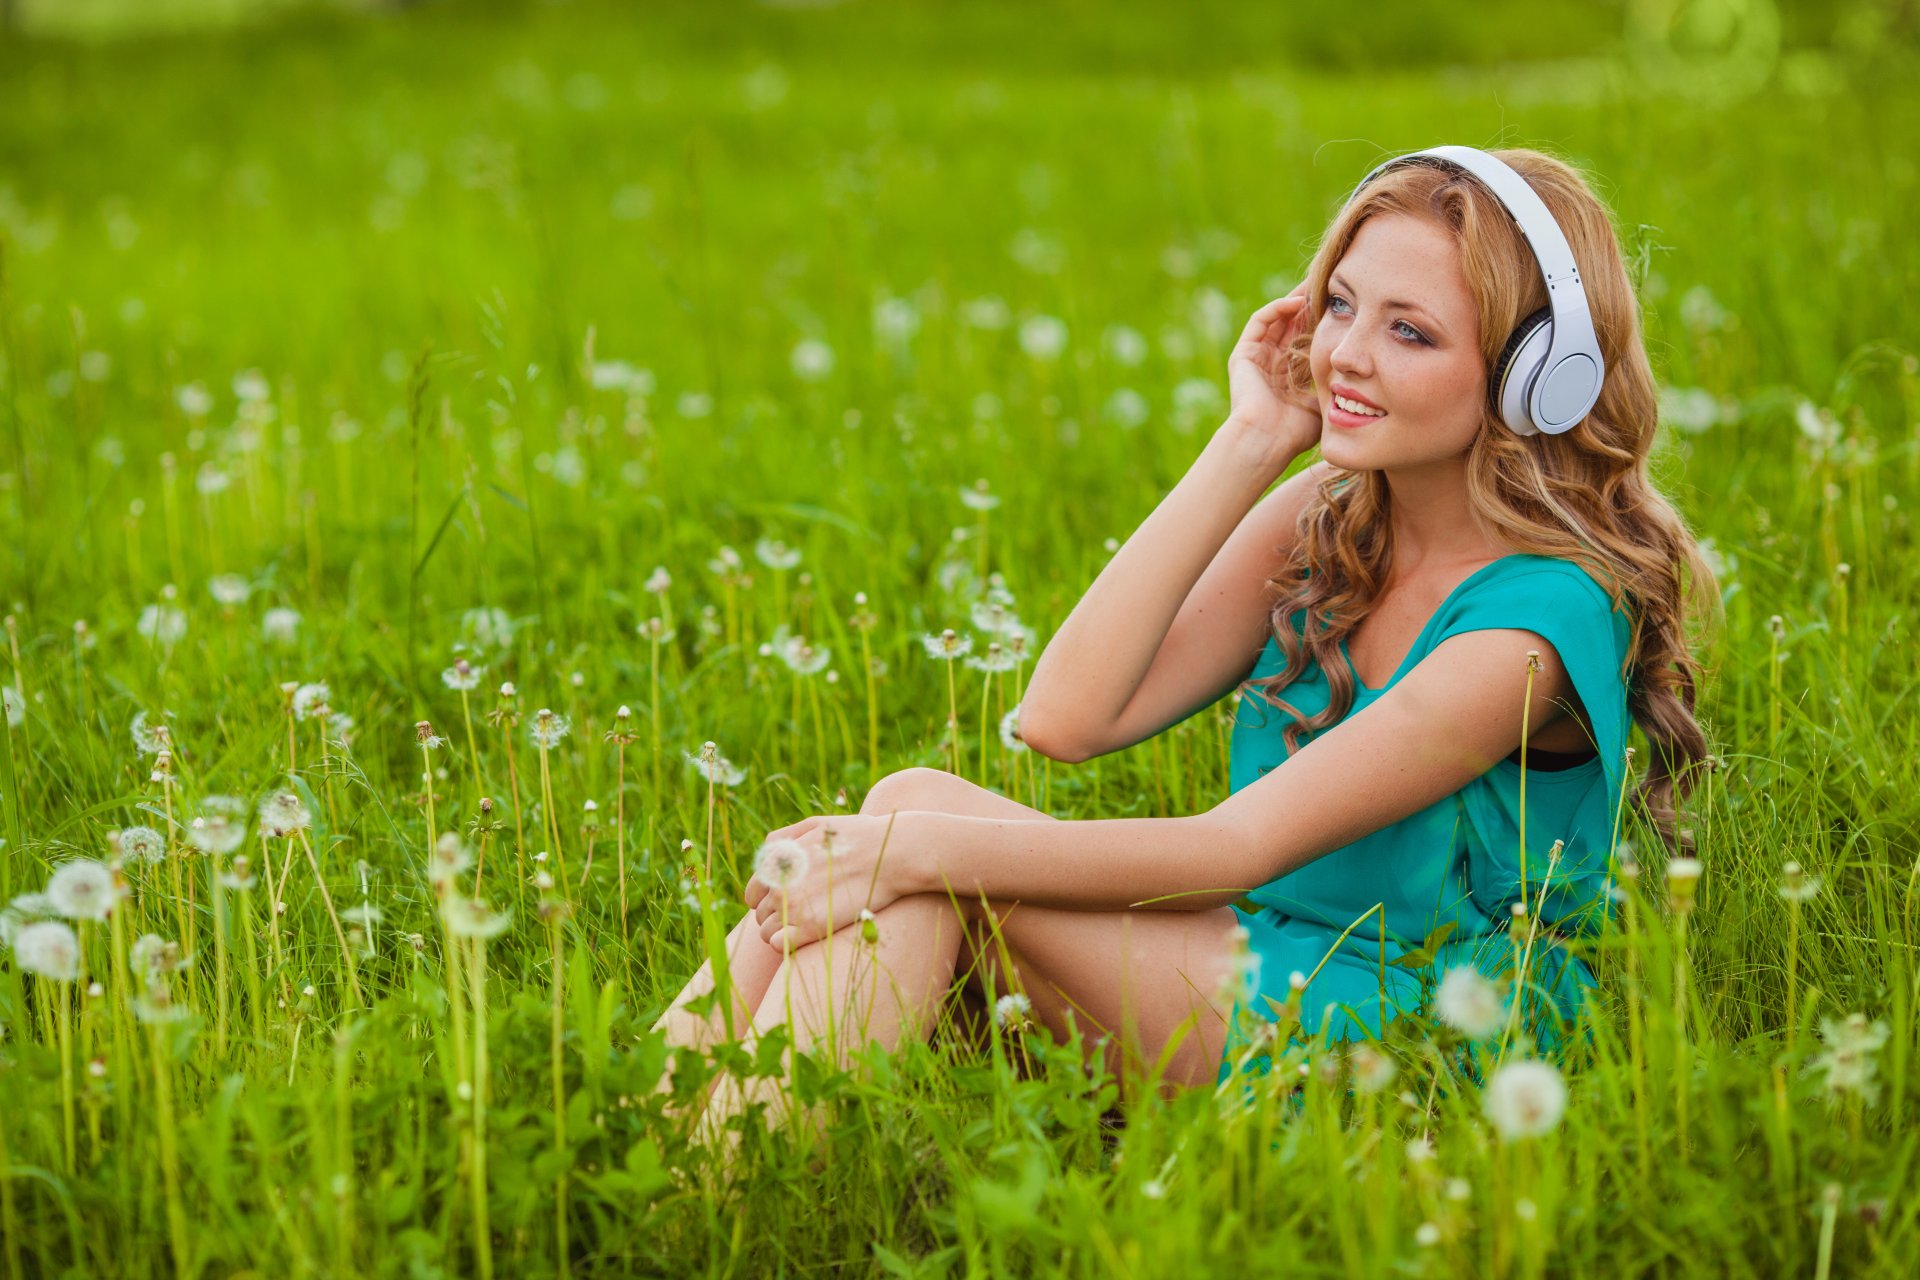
(1440, 618)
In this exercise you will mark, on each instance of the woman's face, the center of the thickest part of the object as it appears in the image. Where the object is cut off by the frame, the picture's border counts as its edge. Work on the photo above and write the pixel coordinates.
(1399, 332)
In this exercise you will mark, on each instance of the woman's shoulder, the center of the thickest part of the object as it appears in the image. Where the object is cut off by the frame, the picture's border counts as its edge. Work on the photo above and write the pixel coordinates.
(1525, 576)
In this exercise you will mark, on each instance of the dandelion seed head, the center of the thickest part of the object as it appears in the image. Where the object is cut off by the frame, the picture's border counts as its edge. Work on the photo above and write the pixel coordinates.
(49, 949)
(549, 728)
(450, 857)
(229, 589)
(948, 645)
(156, 1007)
(1525, 1099)
(310, 701)
(780, 863)
(462, 676)
(221, 826)
(775, 554)
(659, 581)
(283, 814)
(1426, 1235)
(83, 890)
(141, 844)
(1469, 1002)
(1372, 1069)
(472, 918)
(280, 625)
(1796, 885)
(1011, 1009)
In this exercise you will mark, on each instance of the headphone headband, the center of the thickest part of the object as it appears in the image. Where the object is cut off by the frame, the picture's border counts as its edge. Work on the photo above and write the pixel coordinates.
(1555, 372)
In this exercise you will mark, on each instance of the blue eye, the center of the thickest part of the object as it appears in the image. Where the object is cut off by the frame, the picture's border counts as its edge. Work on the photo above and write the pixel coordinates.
(1412, 336)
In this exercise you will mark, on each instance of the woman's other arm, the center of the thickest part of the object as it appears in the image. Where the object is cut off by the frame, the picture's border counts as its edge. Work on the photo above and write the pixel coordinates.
(1146, 647)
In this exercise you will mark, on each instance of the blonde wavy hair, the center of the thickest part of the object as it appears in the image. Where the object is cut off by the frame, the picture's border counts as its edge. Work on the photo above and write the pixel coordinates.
(1584, 496)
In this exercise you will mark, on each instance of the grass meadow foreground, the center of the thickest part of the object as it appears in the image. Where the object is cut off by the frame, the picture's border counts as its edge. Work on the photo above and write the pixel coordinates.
(467, 478)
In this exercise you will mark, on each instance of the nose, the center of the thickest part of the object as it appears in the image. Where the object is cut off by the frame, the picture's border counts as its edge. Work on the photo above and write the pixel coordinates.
(1352, 354)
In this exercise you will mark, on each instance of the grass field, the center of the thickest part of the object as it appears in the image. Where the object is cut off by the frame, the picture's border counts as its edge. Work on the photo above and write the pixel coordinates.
(337, 348)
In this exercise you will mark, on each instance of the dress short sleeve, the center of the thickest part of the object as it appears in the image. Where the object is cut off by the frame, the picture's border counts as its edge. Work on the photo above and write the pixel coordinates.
(1560, 602)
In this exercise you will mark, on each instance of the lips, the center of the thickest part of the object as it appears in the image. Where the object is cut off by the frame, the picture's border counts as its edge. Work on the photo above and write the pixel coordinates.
(1350, 394)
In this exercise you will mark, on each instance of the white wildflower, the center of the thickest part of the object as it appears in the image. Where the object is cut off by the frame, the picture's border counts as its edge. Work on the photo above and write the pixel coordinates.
(549, 727)
(471, 918)
(487, 627)
(1011, 1010)
(83, 890)
(1525, 1099)
(310, 701)
(780, 863)
(462, 676)
(280, 625)
(659, 580)
(1010, 732)
(948, 645)
(812, 360)
(1848, 1061)
(162, 624)
(1469, 1002)
(48, 948)
(283, 814)
(229, 589)
(1372, 1069)
(1043, 337)
(775, 554)
(139, 844)
(221, 826)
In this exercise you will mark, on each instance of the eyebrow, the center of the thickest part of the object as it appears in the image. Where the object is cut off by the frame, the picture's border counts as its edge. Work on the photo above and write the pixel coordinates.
(1394, 304)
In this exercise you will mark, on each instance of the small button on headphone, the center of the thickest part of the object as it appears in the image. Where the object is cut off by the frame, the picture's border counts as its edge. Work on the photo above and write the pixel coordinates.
(1550, 371)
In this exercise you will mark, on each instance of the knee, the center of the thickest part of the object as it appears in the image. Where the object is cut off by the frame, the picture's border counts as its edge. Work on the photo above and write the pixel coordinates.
(914, 788)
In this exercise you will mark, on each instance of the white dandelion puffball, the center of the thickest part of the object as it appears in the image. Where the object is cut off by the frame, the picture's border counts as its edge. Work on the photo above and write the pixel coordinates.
(162, 624)
(659, 580)
(811, 360)
(142, 844)
(1011, 1009)
(193, 400)
(488, 627)
(1010, 732)
(1043, 337)
(280, 625)
(948, 645)
(229, 589)
(780, 863)
(82, 890)
(549, 728)
(1525, 1099)
(310, 701)
(462, 676)
(221, 826)
(471, 918)
(803, 658)
(1373, 1070)
(283, 814)
(775, 554)
(366, 915)
(48, 948)
(450, 856)
(1469, 1002)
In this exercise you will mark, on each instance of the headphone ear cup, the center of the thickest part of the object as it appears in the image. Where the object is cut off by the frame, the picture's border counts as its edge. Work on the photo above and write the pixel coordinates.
(1519, 364)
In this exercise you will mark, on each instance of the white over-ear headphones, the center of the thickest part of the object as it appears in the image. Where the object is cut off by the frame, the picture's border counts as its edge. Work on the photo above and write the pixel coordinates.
(1550, 372)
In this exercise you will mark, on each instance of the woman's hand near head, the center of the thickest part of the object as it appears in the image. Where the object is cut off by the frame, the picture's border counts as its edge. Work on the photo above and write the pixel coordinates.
(1258, 395)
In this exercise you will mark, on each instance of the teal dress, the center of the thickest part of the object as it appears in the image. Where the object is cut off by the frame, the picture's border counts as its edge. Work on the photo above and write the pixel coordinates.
(1456, 862)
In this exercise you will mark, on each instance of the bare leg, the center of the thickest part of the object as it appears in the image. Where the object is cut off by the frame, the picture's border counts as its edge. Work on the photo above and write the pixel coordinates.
(751, 963)
(1148, 979)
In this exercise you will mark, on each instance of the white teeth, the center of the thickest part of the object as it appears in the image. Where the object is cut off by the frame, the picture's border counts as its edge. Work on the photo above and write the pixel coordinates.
(1354, 406)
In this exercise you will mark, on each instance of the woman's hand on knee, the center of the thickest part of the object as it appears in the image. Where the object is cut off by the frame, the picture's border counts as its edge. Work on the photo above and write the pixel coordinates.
(816, 876)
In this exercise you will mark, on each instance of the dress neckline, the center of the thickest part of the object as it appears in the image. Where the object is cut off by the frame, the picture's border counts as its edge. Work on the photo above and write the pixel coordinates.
(1419, 638)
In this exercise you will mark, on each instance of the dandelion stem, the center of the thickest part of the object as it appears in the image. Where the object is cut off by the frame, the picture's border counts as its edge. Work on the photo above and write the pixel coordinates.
(873, 707)
(552, 818)
(346, 952)
(62, 1002)
(557, 1062)
(482, 1231)
(169, 1148)
(620, 837)
(953, 719)
(513, 787)
(473, 748)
